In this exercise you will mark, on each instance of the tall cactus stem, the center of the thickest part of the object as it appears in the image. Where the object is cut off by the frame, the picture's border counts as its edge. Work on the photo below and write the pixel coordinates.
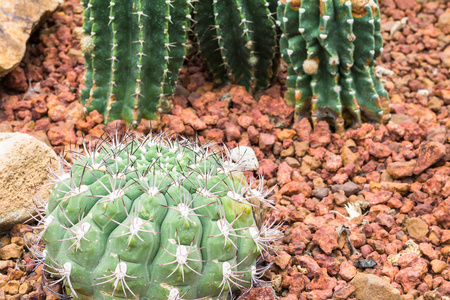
(330, 47)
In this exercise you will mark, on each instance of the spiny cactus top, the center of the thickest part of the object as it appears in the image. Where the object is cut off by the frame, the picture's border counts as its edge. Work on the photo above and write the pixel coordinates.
(133, 52)
(152, 218)
(330, 46)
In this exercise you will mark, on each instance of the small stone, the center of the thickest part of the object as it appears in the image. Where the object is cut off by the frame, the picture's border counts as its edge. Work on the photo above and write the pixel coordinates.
(37, 295)
(57, 113)
(428, 250)
(429, 154)
(365, 263)
(434, 104)
(326, 238)
(349, 188)
(263, 293)
(189, 117)
(311, 162)
(405, 4)
(303, 129)
(267, 168)
(286, 134)
(245, 156)
(321, 135)
(266, 141)
(417, 228)
(282, 259)
(215, 134)
(232, 132)
(321, 193)
(368, 286)
(344, 292)
(340, 199)
(401, 169)
(444, 19)
(295, 188)
(210, 119)
(11, 251)
(277, 148)
(25, 288)
(289, 152)
(59, 135)
(347, 271)
(399, 118)
(12, 287)
(74, 112)
(348, 157)
(292, 162)
(332, 162)
(408, 278)
(277, 109)
(253, 134)
(438, 266)
(74, 53)
(301, 148)
(432, 295)
(245, 121)
(5, 264)
(379, 150)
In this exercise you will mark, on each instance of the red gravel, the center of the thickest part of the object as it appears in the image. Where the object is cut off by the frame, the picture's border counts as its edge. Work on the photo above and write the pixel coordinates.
(393, 172)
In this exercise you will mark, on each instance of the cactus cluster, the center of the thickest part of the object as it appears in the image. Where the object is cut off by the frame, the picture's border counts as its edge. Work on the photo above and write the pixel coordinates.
(152, 218)
(330, 47)
(237, 38)
(133, 51)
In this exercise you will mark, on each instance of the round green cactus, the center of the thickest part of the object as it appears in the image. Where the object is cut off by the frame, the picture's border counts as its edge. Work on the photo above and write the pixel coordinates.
(152, 218)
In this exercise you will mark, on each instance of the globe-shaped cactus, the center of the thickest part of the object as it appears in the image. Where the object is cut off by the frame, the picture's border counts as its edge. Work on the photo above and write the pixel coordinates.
(152, 218)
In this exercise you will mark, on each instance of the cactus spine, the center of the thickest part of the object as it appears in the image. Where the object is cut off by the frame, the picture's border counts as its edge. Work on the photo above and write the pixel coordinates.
(238, 40)
(152, 218)
(330, 47)
(133, 51)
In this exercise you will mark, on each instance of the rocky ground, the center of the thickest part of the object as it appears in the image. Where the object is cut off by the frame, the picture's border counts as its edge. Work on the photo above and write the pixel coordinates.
(378, 192)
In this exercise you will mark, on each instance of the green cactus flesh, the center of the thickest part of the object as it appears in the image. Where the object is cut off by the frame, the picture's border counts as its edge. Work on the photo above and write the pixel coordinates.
(238, 40)
(330, 47)
(133, 50)
(153, 218)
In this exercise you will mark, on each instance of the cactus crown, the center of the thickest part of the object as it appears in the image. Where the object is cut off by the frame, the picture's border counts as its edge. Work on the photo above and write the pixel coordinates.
(152, 218)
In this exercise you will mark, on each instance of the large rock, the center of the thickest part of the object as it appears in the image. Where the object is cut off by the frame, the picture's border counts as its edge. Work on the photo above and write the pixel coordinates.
(368, 286)
(18, 19)
(24, 164)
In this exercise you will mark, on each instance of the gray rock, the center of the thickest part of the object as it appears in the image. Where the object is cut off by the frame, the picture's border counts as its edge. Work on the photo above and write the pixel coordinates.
(24, 164)
(245, 157)
(349, 188)
(321, 192)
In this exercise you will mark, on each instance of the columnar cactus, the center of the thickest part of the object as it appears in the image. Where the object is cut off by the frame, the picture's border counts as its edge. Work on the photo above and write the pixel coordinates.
(133, 51)
(152, 218)
(238, 40)
(330, 47)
